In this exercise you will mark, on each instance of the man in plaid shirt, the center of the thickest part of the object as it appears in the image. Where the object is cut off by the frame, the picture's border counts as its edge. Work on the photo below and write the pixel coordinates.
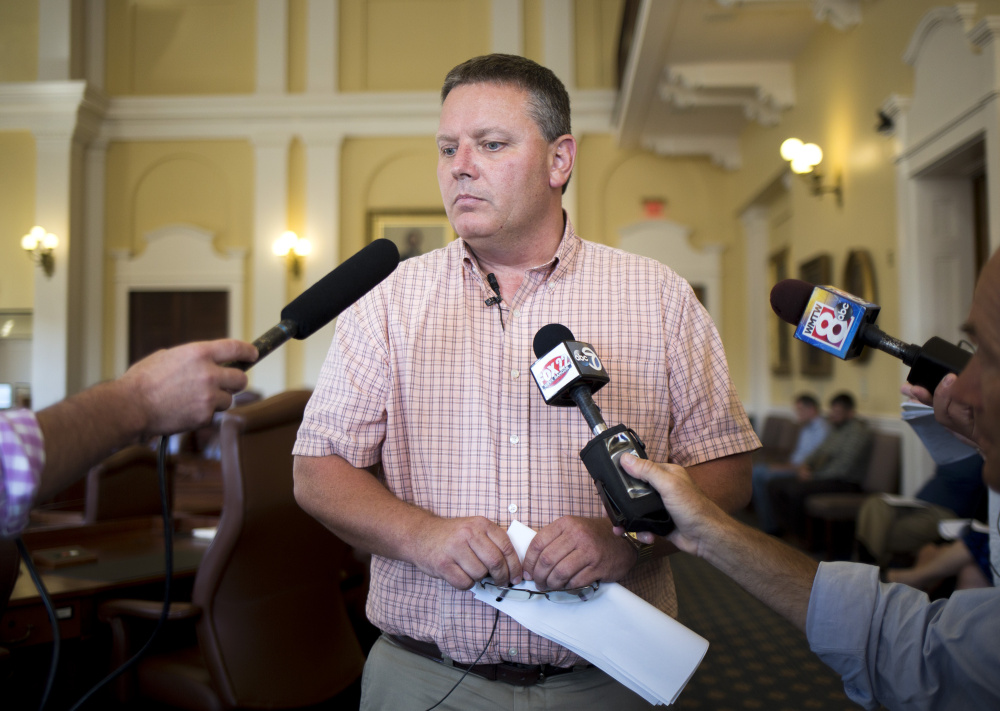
(428, 379)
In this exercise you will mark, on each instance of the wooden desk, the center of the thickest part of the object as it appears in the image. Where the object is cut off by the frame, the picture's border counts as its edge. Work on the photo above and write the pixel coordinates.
(130, 563)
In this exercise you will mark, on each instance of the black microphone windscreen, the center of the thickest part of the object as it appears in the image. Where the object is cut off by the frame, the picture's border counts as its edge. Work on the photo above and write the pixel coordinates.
(548, 337)
(323, 301)
(789, 299)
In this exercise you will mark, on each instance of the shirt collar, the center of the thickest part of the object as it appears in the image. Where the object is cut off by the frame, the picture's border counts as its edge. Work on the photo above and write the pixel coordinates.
(555, 268)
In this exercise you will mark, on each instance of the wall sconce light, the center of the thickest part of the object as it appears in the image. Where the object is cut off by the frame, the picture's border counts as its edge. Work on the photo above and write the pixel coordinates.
(804, 157)
(292, 248)
(39, 245)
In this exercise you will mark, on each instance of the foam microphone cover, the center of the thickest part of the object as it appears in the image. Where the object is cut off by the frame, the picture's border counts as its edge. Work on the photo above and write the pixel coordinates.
(324, 300)
(550, 336)
(789, 299)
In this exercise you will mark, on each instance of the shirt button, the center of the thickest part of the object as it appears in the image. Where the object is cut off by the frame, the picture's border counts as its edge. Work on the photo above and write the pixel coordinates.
(512, 508)
(512, 651)
(515, 374)
(514, 439)
(516, 313)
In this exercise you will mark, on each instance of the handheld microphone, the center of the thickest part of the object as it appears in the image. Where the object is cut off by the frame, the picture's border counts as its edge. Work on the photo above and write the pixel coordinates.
(842, 324)
(567, 373)
(323, 301)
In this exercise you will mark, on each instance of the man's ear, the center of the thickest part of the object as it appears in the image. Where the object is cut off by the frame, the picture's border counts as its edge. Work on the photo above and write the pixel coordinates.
(562, 158)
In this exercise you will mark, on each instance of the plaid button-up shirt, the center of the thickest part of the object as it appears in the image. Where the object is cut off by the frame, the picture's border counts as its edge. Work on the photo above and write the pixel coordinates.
(22, 456)
(422, 378)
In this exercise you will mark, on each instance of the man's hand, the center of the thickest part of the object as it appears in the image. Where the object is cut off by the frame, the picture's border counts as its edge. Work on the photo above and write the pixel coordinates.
(694, 514)
(462, 551)
(572, 552)
(181, 388)
(952, 414)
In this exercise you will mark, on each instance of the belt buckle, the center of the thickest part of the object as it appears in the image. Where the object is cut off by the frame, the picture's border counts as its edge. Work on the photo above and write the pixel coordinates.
(519, 677)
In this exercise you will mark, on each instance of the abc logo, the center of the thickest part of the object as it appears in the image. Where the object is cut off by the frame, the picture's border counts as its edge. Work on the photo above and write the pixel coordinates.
(829, 326)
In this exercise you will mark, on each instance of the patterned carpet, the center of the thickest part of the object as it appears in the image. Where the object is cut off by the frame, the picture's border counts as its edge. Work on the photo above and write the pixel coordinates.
(756, 660)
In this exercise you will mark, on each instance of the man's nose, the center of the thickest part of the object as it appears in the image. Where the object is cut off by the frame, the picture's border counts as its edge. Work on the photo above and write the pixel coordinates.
(463, 164)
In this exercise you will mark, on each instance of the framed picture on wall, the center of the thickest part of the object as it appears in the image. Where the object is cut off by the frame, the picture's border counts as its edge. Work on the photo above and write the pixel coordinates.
(414, 232)
(859, 279)
(815, 362)
(779, 332)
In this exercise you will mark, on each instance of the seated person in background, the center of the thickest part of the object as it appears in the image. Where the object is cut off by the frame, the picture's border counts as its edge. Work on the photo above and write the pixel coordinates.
(886, 532)
(891, 645)
(967, 559)
(813, 429)
(838, 464)
(169, 391)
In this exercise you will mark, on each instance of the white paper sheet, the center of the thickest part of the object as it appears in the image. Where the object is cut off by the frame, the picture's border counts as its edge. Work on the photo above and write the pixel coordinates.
(617, 631)
(943, 446)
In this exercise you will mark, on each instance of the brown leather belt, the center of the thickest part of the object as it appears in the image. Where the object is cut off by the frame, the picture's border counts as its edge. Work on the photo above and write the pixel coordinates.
(507, 672)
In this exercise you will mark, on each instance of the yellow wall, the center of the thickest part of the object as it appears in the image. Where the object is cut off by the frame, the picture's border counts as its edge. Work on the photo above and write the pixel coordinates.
(384, 174)
(180, 47)
(18, 40)
(152, 184)
(597, 27)
(17, 206)
(400, 45)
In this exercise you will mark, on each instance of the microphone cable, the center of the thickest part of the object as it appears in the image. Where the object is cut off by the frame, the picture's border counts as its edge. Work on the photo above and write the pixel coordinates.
(496, 619)
(168, 545)
(50, 610)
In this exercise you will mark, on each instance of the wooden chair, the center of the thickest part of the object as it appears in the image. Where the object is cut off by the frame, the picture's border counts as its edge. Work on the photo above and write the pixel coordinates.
(272, 627)
(124, 485)
(838, 510)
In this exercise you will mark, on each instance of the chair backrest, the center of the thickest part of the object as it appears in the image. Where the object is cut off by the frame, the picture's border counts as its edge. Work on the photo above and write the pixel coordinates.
(777, 438)
(883, 463)
(274, 631)
(125, 484)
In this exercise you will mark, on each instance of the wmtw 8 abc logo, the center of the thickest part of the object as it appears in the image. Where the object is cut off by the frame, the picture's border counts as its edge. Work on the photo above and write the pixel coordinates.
(829, 324)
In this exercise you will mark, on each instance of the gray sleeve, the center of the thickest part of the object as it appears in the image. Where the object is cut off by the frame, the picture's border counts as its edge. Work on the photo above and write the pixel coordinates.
(894, 647)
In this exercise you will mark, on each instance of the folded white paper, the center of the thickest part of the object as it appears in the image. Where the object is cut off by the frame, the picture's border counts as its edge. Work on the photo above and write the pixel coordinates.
(943, 445)
(617, 631)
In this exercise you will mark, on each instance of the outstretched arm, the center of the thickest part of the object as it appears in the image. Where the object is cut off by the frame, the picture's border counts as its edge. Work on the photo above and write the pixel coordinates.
(170, 391)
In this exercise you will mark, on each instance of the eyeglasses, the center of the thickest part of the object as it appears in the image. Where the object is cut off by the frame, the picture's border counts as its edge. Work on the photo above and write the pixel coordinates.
(520, 594)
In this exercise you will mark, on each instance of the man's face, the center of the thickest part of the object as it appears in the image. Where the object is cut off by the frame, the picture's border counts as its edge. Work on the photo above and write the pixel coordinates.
(804, 413)
(978, 386)
(839, 414)
(493, 162)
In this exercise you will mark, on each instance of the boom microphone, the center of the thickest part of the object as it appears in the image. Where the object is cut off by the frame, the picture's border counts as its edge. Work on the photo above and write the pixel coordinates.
(567, 373)
(323, 301)
(842, 324)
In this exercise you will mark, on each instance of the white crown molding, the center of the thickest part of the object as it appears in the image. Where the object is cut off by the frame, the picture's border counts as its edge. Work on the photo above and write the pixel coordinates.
(761, 89)
(60, 108)
(985, 31)
(723, 150)
(841, 14)
(962, 13)
(51, 109)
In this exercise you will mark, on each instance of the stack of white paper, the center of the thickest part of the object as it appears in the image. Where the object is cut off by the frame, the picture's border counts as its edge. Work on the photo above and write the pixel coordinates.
(648, 651)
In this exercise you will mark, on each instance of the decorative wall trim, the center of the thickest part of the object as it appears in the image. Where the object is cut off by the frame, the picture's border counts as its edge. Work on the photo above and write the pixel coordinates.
(962, 12)
(178, 257)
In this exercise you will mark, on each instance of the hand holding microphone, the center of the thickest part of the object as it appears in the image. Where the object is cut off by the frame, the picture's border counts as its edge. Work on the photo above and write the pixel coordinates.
(567, 373)
(842, 325)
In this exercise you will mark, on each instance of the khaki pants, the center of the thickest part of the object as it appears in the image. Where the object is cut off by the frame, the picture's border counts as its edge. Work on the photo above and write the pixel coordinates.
(887, 530)
(400, 680)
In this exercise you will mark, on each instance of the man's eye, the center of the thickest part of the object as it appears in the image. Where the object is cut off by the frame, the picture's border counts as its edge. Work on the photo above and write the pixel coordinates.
(447, 150)
(493, 145)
